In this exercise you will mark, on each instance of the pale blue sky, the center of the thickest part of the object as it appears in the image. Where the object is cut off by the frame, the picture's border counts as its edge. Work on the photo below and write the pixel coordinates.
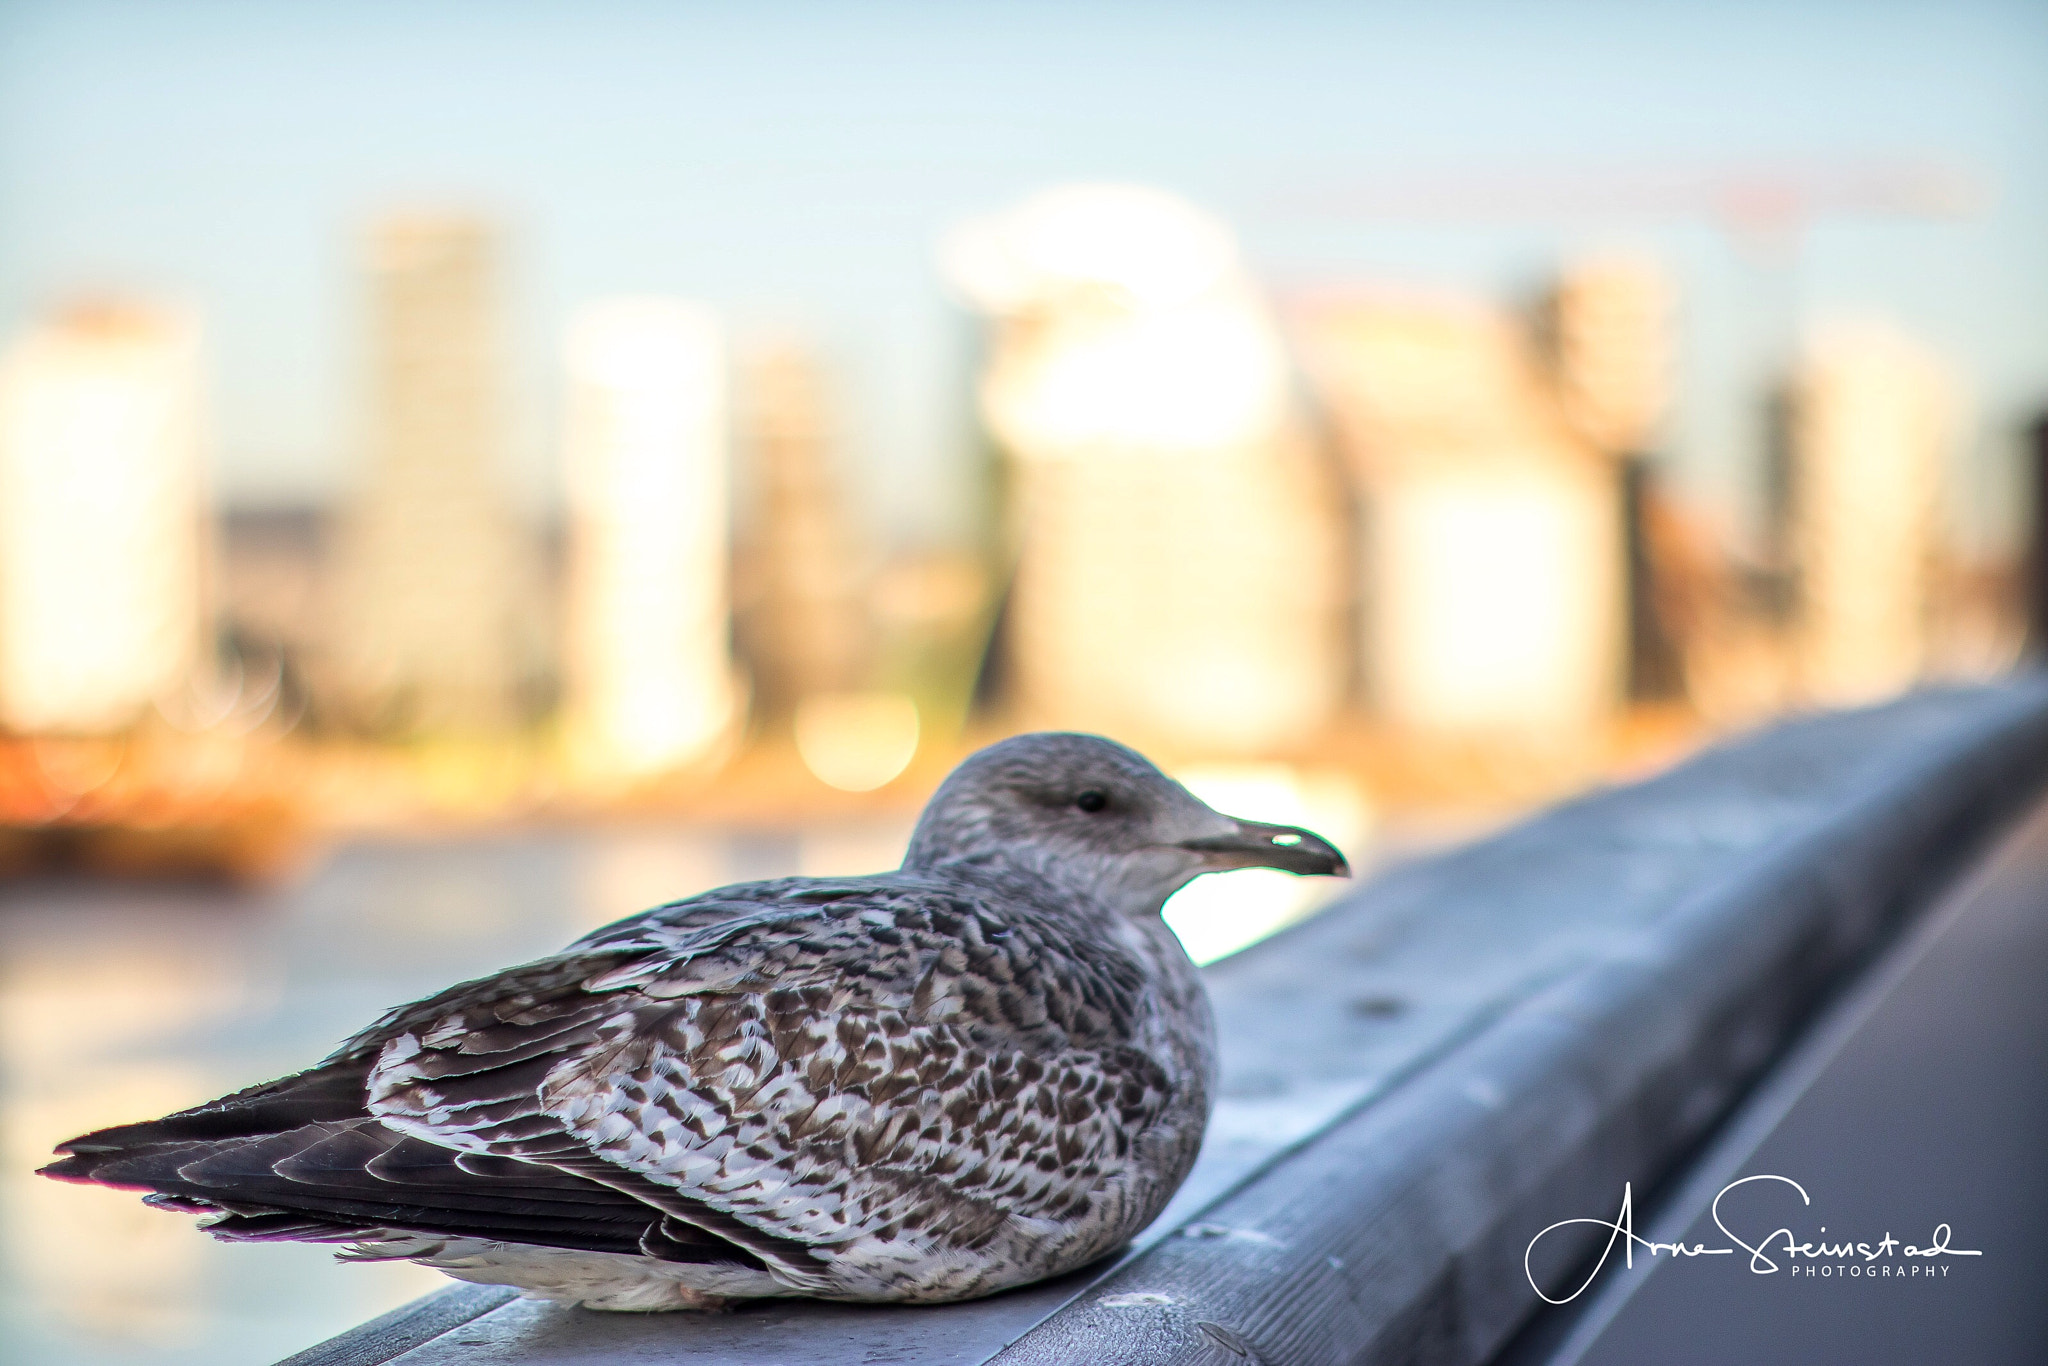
(794, 162)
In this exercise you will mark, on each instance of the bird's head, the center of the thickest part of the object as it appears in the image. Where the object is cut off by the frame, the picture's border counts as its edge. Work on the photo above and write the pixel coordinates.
(1092, 814)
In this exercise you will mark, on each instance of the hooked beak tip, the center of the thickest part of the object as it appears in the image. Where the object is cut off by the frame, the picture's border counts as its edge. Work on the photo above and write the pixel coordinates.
(1286, 847)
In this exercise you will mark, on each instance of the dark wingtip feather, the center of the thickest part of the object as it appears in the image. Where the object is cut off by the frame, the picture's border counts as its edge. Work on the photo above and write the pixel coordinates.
(82, 1169)
(325, 1094)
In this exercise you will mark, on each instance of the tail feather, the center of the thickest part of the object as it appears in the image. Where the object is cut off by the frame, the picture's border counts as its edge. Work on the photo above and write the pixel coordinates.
(281, 1228)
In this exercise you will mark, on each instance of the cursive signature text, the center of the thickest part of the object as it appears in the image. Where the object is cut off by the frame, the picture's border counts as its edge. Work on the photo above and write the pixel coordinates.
(1782, 1241)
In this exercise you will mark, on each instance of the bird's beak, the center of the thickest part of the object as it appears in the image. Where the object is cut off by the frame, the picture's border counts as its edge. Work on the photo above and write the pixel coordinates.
(1286, 847)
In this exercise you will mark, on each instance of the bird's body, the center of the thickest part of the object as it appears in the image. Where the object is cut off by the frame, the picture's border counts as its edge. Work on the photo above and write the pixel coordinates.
(988, 1067)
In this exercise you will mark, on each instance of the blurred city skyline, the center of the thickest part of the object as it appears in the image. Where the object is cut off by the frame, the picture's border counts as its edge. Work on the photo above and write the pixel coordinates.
(795, 168)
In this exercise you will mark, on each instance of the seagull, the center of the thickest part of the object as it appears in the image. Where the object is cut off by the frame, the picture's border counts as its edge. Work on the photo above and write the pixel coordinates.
(985, 1068)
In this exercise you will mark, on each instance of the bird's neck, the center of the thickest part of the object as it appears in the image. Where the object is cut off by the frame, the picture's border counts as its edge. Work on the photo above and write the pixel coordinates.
(1125, 887)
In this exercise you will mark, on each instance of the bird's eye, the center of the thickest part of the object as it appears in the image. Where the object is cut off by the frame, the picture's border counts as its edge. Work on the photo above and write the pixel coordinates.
(1091, 801)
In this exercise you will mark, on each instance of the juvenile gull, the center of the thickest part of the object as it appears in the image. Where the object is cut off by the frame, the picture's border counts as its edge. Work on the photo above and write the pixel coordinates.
(988, 1067)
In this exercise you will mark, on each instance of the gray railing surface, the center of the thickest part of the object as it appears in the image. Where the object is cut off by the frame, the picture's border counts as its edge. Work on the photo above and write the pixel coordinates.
(1462, 1051)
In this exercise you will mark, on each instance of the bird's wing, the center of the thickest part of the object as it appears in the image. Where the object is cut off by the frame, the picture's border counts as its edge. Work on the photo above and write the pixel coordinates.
(301, 1157)
(801, 1065)
(353, 1180)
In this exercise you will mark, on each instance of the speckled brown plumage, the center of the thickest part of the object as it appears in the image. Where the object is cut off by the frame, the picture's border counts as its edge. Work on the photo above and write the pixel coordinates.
(990, 1066)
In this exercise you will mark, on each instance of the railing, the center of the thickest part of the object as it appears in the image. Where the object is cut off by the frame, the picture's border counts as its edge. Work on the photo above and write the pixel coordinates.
(1462, 1051)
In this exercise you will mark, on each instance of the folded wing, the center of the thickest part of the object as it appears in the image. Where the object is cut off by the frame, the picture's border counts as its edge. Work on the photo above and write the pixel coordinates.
(757, 1078)
(884, 1067)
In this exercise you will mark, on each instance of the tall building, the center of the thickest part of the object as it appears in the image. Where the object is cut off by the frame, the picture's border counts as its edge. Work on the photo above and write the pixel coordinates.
(1608, 341)
(435, 618)
(1178, 538)
(1607, 326)
(1491, 571)
(102, 522)
(803, 619)
(649, 667)
(1869, 426)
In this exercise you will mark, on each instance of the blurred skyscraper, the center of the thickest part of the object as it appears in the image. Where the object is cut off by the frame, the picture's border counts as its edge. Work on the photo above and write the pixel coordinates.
(1178, 537)
(1607, 333)
(1870, 418)
(649, 667)
(1607, 326)
(1492, 568)
(102, 521)
(434, 623)
(804, 621)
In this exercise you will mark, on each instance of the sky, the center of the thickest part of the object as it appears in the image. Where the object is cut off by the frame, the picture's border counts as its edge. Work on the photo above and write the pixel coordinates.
(794, 164)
